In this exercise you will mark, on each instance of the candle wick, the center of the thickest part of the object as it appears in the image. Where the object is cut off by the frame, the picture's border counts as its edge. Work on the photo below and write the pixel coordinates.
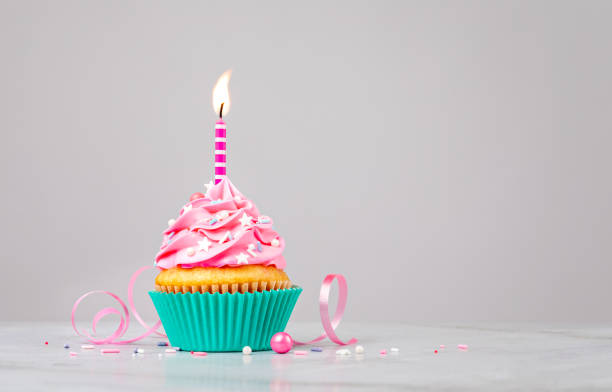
(221, 110)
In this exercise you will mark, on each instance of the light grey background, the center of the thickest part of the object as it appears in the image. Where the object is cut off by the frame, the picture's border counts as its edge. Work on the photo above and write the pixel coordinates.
(452, 159)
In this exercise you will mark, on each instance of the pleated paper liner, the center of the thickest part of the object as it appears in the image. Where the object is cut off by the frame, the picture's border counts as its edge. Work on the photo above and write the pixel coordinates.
(248, 287)
(224, 322)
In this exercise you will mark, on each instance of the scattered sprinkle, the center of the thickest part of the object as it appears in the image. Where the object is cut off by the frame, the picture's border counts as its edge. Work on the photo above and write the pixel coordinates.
(199, 353)
(394, 350)
(359, 349)
(213, 221)
(275, 243)
(171, 222)
(88, 346)
(247, 350)
(316, 349)
(110, 351)
(170, 351)
(231, 237)
(46, 342)
(190, 252)
(435, 351)
(250, 250)
(383, 352)
(216, 201)
(259, 249)
(222, 214)
(462, 346)
(162, 344)
(300, 352)
(343, 352)
(66, 345)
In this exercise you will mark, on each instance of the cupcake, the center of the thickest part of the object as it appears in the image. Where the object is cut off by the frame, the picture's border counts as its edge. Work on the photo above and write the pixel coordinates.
(222, 284)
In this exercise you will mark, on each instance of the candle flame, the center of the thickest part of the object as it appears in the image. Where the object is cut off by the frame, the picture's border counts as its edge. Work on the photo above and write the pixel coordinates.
(221, 93)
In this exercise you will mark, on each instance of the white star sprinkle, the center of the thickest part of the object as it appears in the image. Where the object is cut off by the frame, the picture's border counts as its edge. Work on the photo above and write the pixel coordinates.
(245, 220)
(204, 244)
(209, 186)
(171, 222)
(251, 249)
(225, 237)
(242, 258)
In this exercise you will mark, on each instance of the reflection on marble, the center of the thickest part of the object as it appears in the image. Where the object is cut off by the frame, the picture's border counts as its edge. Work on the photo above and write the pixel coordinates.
(500, 357)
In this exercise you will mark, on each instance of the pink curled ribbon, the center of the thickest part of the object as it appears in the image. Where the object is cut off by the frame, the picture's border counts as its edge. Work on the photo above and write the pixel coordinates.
(329, 325)
(124, 322)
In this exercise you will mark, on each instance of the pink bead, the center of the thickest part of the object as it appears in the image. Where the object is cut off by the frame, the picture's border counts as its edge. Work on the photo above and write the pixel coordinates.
(281, 342)
(196, 196)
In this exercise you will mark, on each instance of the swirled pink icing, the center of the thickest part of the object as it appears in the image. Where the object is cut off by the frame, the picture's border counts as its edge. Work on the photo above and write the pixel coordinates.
(222, 229)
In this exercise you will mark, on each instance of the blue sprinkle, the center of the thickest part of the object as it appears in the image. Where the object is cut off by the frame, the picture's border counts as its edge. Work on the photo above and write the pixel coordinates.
(162, 344)
(230, 237)
(259, 246)
(213, 221)
(264, 221)
(317, 349)
(216, 201)
(66, 345)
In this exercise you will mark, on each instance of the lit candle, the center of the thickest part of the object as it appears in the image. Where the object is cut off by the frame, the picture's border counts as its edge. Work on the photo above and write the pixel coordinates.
(221, 104)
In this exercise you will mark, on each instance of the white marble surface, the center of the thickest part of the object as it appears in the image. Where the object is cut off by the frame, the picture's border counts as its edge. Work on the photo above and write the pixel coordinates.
(501, 357)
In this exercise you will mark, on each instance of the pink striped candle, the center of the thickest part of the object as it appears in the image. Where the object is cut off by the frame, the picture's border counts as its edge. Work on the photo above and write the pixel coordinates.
(220, 151)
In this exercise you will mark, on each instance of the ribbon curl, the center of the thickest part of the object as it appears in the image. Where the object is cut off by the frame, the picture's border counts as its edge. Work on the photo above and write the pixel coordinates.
(329, 326)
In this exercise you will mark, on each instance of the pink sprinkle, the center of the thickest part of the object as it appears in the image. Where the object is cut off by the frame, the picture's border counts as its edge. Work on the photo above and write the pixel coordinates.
(383, 352)
(73, 354)
(462, 346)
(199, 353)
(110, 351)
(300, 352)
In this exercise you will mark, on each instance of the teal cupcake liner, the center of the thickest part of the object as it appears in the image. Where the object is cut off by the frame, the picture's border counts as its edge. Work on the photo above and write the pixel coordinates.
(224, 322)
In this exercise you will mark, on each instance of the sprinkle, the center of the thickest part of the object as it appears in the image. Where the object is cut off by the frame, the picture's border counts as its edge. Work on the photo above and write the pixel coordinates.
(73, 354)
(359, 349)
(262, 219)
(316, 349)
(204, 244)
(435, 351)
(222, 214)
(66, 345)
(394, 350)
(242, 259)
(300, 352)
(170, 351)
(383, 352)
(259, 249)
(247, 350)
(110, 351)
(225, 237)
(190, 252)
(275, 243)
(187, 208)
(199, 353)
(245, 219)
(213, 221)
(231, 237)
(88, 346)
(216, 201)
(250, 250)
(171, 222)
(162, 344)
(46, 342)
(343, 352)
(462, 346)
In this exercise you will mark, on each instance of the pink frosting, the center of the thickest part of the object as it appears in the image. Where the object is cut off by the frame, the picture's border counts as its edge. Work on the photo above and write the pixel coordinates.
(222, 229)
